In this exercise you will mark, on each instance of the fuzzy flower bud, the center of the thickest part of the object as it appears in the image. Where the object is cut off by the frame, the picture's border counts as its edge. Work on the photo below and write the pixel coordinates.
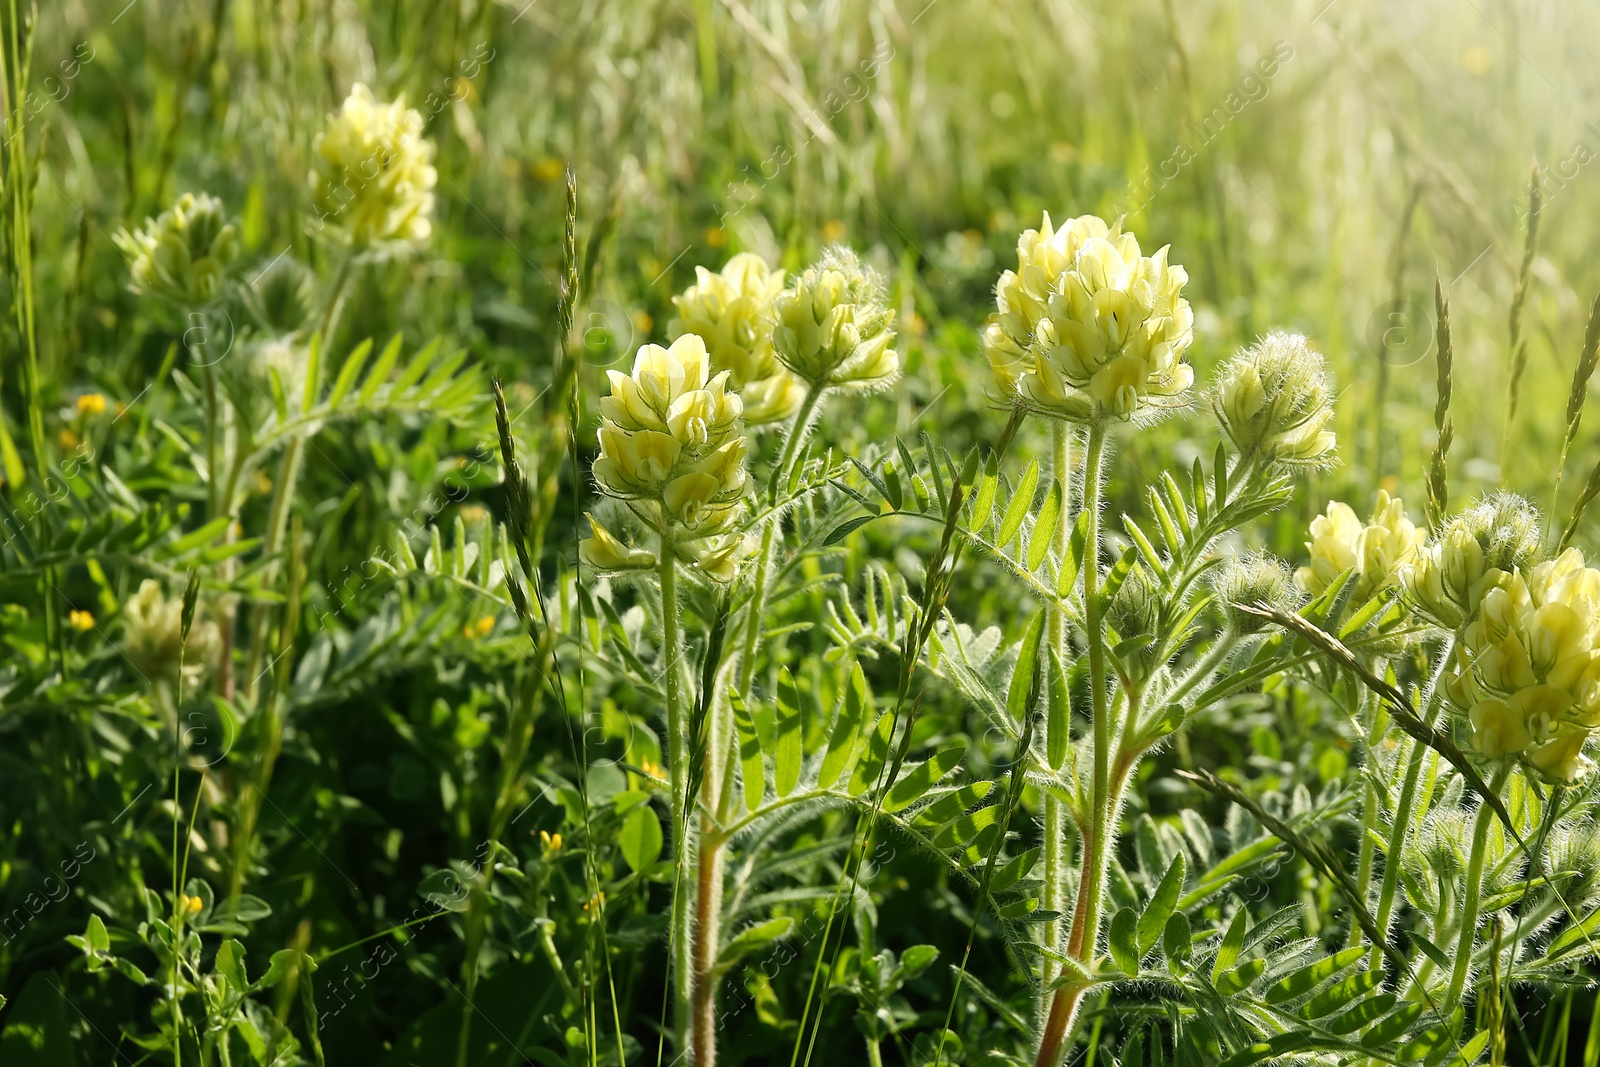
(374, 181)
(1473, 553)
(1378, 550)
(1528, 670)
(1109, 325)
(671, 441)
(1255, 581)
(732, 311)
(834, 326)
(1135, 612)
(183, 255)
(1274, 401)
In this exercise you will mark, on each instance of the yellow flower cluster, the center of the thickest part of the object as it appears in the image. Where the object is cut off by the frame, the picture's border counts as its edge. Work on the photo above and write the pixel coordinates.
(1528, 669)
(732, 311)
(834, 326)
(374, 181)
(672, 444)
(1089, 327)
(185, 253)
(1473, 553)
(1274, 401)
(1378, 550)
(1022, 296)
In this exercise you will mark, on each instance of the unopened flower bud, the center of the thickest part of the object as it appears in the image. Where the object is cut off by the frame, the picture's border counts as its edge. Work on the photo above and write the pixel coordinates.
(1274, 401)
(834, 326)
(1254, 581)
(185, 253)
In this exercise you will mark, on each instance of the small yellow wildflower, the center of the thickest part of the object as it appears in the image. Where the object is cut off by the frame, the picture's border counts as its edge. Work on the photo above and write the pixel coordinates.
(92, 404)
(192, 905)
(81, 621)
(262, 482)
(549, 842)
(596, 902)
(482, 628)
(717, 237)
(67, 439)
(642, 321)
(651, 769)
(832, 231)
(1380, 550)
(732, 311)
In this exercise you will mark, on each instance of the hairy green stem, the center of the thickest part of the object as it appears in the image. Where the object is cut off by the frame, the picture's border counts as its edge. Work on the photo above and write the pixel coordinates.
(678, 772)
(758, 596)
(1474, 897)
(1401, 824)
(1055, 820)
(1097, 842)
(283, 490)
(1376, 727)
(711, 870)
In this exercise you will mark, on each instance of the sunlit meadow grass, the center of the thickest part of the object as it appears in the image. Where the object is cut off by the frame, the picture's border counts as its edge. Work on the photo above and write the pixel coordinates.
(753, 532)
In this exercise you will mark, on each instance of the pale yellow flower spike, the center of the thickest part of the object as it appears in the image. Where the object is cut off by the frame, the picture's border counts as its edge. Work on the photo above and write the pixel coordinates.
(835, 326)
(1528, 669)
(373, 185)
(1087, 327)
(185, 253)
(732, 311)
(672, 444)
